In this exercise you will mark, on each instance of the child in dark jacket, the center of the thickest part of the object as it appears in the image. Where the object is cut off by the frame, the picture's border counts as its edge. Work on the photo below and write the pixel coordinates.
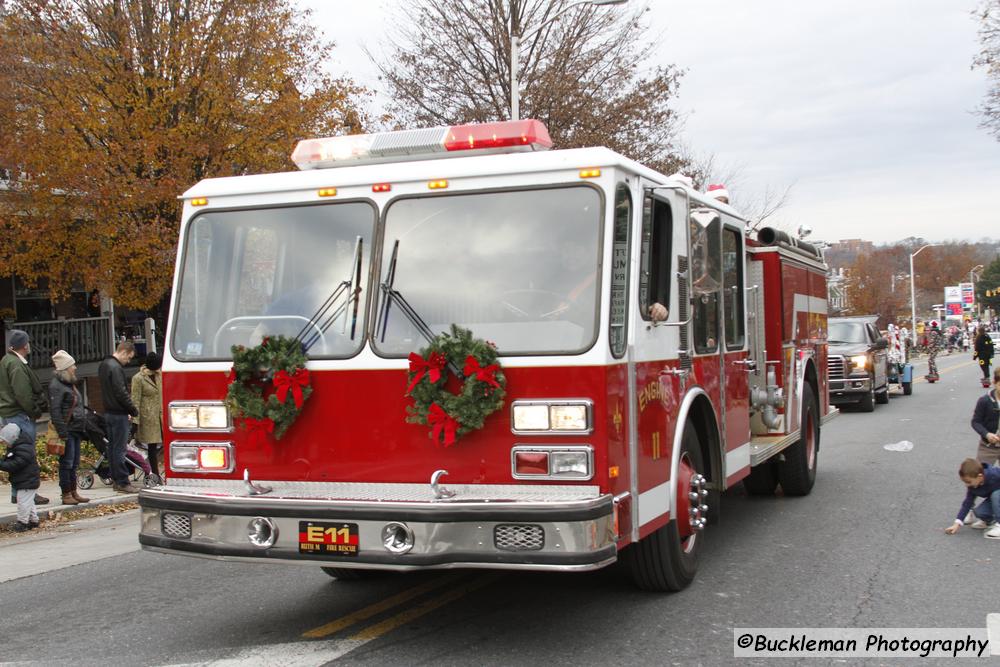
(983, 481)
(21, 464)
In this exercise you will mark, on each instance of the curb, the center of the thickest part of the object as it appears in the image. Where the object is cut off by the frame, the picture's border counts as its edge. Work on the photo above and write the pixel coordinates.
(50, 512)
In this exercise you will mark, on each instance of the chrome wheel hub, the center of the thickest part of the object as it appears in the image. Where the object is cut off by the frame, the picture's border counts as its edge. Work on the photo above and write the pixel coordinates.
(697, 509)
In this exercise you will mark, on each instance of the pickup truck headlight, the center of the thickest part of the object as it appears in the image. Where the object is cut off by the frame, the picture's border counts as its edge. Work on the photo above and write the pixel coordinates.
(859, 361)
(207, 416)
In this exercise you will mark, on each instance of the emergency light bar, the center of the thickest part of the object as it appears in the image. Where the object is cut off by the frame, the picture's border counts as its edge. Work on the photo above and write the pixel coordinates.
(503, 137)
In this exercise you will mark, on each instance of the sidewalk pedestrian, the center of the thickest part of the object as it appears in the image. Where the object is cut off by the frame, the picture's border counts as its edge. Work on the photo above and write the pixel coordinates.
(981, 481)
(118, 408)
(986, 421)
(22, 399)
(147, 394)
(21, 463)
(69, 418)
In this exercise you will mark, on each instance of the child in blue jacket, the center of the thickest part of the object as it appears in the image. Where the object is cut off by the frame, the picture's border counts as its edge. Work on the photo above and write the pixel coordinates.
(21, 463)
(981, 481)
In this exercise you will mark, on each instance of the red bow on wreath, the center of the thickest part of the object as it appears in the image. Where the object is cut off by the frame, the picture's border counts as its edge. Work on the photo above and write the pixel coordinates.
(431, 367)
(259, 429)
(487, 374)
(442, 421)
(283, 382)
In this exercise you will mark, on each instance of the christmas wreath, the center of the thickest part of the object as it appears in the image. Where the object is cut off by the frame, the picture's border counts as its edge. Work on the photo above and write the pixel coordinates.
(268, 385)
(473, 361)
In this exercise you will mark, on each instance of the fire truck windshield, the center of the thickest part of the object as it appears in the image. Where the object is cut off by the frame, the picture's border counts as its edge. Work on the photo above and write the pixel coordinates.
(519, 268)
(269, 271)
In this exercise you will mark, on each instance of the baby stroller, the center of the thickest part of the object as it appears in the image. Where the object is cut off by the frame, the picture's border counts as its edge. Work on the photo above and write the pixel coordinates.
(135, 461)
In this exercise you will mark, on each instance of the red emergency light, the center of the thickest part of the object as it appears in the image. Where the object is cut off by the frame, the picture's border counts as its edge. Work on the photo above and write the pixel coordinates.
(506, 136)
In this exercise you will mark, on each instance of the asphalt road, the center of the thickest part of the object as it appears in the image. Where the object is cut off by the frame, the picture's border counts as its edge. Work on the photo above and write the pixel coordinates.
(865, 549)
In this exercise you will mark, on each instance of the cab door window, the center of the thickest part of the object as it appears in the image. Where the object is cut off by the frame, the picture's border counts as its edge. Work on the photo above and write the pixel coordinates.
(706, 278)
(655, 256)
(732, 287)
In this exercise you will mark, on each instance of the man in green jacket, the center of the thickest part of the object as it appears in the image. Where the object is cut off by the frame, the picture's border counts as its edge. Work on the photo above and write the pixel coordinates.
(22, 399)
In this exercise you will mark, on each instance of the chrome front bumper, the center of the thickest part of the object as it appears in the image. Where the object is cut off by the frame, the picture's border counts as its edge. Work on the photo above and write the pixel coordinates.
(576, 523)
(849, 388)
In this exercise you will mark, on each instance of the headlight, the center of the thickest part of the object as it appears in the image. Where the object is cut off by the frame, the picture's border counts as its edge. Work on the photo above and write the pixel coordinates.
(183, 417)
(198, 416)
(568, 417)
(183, 458)
(859, 361)
(540, 416)
(531, 417)
(570, 464)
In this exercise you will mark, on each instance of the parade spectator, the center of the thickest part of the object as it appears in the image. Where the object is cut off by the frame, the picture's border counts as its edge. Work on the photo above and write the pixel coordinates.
(69, 419)
(981, 481)
(983, 351)
(22, 399)
(985, 422)
(147, 394)
(118, 408)
(934, 340)
(21, 463)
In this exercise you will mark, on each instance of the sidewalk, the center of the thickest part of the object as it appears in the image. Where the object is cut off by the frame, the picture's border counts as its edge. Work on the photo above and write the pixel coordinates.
(99, 494)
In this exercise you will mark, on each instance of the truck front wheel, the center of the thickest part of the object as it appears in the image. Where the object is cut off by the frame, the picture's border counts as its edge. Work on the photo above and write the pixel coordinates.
(667, 559)
(867, 403)
(797, 472)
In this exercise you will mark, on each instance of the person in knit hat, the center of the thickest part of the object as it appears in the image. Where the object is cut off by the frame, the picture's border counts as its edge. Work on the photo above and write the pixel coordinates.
(70, 420)
(21, 463)
(22, 399)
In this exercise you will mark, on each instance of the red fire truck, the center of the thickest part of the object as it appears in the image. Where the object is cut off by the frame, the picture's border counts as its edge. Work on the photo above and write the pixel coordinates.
(618, 433)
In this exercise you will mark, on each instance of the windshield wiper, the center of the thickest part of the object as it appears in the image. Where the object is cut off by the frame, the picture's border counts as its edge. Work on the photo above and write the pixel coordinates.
(350, 290)
(391, 295)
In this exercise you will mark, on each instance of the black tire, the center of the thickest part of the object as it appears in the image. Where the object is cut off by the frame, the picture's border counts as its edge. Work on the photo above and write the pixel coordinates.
(867, 404)
(663, 560)
(762, 480)
(882, 397)
(348, 573)
(907, 388)
(797, 472)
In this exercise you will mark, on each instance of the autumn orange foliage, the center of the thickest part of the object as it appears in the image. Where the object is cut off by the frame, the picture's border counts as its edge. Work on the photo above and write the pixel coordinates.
(112, 108)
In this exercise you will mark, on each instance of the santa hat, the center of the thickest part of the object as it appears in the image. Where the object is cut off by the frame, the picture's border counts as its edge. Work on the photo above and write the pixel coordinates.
(717, 191)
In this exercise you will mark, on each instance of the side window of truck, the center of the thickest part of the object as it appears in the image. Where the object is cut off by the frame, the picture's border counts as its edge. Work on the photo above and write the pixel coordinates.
(706, 260)
(620, 253)
(732, 286)
(655, 255)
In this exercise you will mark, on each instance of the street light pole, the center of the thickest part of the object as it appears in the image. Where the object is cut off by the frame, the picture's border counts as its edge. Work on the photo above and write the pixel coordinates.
(913, 295)
(972, 279)
(515, 49)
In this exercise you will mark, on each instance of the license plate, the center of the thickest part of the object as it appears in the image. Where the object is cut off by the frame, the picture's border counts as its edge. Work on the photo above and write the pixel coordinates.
(325, 538)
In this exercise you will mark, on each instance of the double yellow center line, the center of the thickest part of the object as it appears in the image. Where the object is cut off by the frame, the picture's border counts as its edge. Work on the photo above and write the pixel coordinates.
(405, 616)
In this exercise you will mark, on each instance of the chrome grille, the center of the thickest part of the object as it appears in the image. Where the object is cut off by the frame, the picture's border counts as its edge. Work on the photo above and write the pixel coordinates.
(176, 525)
(518, 537)
(835, 367)
(684, 307)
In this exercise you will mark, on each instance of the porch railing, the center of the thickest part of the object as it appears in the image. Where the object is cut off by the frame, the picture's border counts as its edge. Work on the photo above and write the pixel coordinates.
(87, 339)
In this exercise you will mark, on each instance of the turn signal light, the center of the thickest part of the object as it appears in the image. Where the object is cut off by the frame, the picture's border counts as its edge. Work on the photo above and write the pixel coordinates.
(438, 184)
(199, 201)
(327, 192)
(213, 458)
(590, 173)
(531, 463)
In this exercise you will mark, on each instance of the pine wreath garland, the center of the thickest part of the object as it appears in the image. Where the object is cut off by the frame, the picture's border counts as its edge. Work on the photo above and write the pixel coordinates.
(449, 415)
(268, 385)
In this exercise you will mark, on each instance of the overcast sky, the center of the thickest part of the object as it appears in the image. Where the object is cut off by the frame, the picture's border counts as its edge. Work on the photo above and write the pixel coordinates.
(864, 108)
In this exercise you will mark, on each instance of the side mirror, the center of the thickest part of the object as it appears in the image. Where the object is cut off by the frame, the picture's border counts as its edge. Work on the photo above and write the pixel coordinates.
(881, 344)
